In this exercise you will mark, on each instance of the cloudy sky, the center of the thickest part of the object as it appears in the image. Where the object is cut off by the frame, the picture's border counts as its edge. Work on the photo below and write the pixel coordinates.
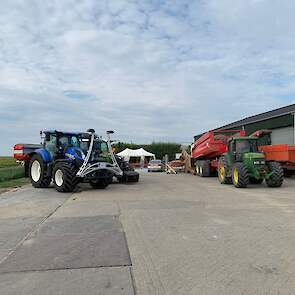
(149, 69)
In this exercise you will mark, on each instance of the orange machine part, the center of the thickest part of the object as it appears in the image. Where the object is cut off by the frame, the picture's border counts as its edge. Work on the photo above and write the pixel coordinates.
(279, 152)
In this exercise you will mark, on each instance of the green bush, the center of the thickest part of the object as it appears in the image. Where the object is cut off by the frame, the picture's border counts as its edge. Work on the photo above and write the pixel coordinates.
(9, 173)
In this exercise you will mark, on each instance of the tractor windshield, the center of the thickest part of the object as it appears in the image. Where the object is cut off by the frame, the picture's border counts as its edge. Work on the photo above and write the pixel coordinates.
(101, 149)
(246, 146)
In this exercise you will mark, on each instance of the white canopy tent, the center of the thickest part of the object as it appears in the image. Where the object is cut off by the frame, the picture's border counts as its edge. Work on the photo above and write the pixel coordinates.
(139, 153)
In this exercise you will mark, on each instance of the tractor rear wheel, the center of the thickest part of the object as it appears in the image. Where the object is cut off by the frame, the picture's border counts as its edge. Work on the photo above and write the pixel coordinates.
(222, 168)
(38, 173)
(64, 177)
(277, 177)
(240, 176)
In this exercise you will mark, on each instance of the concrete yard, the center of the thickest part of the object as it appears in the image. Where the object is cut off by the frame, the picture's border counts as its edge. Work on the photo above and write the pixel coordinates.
(168, 234)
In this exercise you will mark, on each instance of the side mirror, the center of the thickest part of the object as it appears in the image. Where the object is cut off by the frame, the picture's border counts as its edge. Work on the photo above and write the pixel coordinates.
(110, 132)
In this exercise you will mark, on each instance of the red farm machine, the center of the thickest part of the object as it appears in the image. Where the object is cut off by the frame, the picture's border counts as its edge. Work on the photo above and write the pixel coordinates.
(207, 150)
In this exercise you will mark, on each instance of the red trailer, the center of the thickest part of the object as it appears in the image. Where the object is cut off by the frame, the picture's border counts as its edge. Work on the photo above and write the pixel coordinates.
(209, 147)
(22, 151)
(282, 153)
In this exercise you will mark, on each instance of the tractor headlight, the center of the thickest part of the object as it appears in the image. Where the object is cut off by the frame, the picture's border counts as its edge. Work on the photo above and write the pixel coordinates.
(261, 162)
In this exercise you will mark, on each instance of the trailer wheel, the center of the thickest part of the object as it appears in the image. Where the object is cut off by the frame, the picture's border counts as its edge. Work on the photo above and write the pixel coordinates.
(204, 168)
(222, 169)
(64, 177)
(37, 172)
(277, 177)
(240, 176)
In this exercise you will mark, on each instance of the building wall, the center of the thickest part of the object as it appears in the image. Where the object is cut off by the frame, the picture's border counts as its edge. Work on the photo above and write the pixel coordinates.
(278, 122)
(283, 135)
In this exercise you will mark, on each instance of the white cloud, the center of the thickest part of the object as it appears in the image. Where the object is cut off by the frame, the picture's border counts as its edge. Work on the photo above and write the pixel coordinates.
(148, 69)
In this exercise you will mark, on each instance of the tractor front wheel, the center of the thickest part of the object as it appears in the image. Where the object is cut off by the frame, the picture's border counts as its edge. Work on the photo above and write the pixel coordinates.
(37, 172)
(240, 176)
(277, 177)
(64, 177)
(222, 168)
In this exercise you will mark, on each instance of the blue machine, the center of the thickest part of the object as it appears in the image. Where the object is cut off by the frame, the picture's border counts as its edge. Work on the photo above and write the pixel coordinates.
(68, 158)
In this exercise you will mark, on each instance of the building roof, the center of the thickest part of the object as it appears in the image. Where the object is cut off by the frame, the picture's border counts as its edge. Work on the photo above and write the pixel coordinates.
(290, 109)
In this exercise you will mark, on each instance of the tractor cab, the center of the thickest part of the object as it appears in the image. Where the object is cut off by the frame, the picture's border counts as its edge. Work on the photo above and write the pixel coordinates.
(62, 145)
(244, 148)
(100, 150)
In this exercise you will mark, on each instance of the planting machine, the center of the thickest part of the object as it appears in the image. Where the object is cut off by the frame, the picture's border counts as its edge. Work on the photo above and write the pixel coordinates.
(67, 158)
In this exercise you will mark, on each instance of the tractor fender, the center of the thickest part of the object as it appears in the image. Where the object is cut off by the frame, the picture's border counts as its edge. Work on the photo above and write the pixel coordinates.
(44, 154)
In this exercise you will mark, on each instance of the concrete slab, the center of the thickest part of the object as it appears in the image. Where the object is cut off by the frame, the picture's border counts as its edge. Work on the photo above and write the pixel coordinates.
(4, 253)
(13, 230)
(30, 202)
(159, 204)
(77, 207)
(239, 242)
(102, 281)
(66, 251)
(81, 225)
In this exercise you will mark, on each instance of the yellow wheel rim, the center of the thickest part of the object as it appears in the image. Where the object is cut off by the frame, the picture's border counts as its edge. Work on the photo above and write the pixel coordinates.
(235, 175)
(221, 172)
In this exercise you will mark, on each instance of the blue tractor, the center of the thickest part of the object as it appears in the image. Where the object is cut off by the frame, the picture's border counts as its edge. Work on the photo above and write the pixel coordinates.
(68, 158)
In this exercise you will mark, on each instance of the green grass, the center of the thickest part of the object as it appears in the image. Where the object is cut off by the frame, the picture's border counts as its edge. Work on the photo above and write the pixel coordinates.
(14, 182)
(11, 173)
(7, 162)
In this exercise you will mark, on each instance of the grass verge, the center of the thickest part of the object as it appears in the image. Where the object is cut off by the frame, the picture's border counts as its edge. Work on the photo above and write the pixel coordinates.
(7, 162)
(14, 182)
(13, 172)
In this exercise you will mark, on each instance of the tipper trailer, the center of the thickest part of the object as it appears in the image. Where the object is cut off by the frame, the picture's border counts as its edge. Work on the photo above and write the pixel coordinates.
(208, 148)
(282, 153)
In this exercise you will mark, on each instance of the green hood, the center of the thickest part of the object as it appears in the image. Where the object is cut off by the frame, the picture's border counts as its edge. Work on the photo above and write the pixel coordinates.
(251, 156)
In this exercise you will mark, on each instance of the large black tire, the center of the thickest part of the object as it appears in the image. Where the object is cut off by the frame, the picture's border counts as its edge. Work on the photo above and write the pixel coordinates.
(27, 168)
(240, 176)
(64, 177)
(38, 172)
(222, 171)
(203, 168)
(255, 181)
(100, 183)
(277, 177)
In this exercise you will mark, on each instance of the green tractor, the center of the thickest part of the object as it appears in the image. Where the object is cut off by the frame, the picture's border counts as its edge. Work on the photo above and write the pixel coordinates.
(243, 164)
